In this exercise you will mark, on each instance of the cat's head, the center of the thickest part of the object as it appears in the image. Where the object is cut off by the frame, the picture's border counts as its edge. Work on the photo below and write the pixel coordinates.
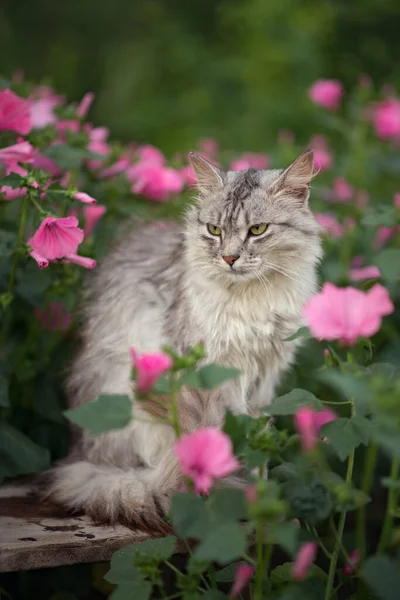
(251, 224)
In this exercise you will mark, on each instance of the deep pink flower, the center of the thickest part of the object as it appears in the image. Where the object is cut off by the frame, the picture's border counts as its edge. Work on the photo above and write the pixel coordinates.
(85, 198)
(12, 193)
(346, 314)
(151, 154)
(43, 101)
(205, 455)
(115, 169)
(397, 200)
(14, 113)
(330, 224)
(54, 317)
(326, 93)
(155, 181)
(354, 561)
(250, 160)
(11, 155)
(92, 214)
(342, 190)
(242, 576)
(360, 274)
(304, 559)
(383, 235)
(308, 423)
(149, 367)
(82, 261)
(85, 104)
(386, 118)
(56, 238)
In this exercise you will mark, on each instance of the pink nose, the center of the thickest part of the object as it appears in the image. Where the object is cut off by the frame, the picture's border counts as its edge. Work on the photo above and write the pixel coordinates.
(230, 259)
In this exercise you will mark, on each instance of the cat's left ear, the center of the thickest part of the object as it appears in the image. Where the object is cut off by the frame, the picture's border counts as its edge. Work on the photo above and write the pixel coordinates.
(294, 182)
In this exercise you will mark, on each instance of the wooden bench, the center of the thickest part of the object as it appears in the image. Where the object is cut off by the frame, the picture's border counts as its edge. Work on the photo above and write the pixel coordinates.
(35, 536)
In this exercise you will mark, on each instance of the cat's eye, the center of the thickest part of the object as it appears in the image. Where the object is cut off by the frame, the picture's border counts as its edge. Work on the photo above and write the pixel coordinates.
(214, 229)
(258, 229)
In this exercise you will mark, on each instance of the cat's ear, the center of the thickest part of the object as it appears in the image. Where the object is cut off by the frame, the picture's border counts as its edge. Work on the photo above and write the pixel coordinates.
(294, 182)
(209, 177)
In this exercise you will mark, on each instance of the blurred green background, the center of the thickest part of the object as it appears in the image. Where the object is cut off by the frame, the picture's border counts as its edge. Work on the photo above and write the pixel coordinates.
(172, 71)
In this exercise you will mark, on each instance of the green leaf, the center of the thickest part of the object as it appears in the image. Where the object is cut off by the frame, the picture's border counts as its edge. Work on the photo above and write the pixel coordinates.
(68, 157)
(8, 241)
(285, 472)
(161, 386)
(32, 283)
(132, 591)
(349, 386)
(390, 483)
(382, 574)
(388, 261)
(283, 573)
(18, 454)
(303, 332)
(160, 548)
(213, 595)
(288, 404)
(224, 543)
(237, 427)
(286, 535)
(4, 400)
(12, 180)
(308, 500)
(385, 432)
(104, 414)
(209, 377)
(228, 505)
(190, 516)
(346, 434)
(228, 573)
(310, 589)
(255, 458)
(4, 83)
(382, 215)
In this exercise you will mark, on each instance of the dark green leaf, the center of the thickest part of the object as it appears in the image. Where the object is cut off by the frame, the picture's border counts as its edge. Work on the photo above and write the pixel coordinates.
(8, 241)
(161, 386)
(390, 483)
(237, 427)
(209, 377)
(18, 454)
(311, 589)
(255, 458)
(346, 434)
(4, 400)
(388, 261)
(228, 505)
(190, 516)
(349, 386)
(382, 215)
(32, 283)
(68, 157)
(223, 544)
(283, 573)
(228, 573)
(132, 591)
(160, 548)
(104, 414)
(385, 432)
(213, 595)
(286, 535)
(291, 402)
(12, 180)
(303, 332)
(308, 500)
(382, 574)
(285, 472)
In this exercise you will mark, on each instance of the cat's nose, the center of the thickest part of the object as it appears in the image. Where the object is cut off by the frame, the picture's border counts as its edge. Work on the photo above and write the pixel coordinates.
(231, 259)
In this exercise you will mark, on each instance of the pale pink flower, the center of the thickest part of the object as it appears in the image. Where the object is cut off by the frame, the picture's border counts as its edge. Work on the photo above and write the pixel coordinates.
(342, 190)
(67, 125)
(97, 144)
(323, 159)
(11, 155)
(148, 153)
(383, 235)
(188, 175)
(85, 198)
(85, 104)
(346, 314)
(242, 576)
(250, 160)
(304, 559)
(204, 455)
(56, 238)
(54, 317)
(326, 93)
(330, 224)
(386, 118)
(149, 367)
(43, 101)
(92, 214)
(82, 261)
(209, 148)
(354, 561)
(308, 423)
(397, 200)
(14, 113)
(155, 181)
(116, 168)
(361, 274)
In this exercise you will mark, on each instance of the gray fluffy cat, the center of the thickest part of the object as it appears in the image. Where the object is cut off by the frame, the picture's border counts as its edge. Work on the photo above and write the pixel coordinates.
(237, 276)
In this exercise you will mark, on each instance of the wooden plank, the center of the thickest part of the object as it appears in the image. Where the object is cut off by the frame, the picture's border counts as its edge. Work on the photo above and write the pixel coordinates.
(35, 536)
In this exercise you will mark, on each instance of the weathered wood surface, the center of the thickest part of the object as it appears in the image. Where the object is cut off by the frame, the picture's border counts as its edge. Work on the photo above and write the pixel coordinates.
(34, 536)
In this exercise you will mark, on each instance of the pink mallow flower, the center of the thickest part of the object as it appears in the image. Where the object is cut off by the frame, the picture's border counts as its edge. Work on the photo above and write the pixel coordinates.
(330, 224)
(342, 190)
(43, 101)
(97, 144)
(383, 235)
(154, 181)
(347, 314)
(363, 273)
(326, 93)
(81, 261)
(85, 198)
(308, 423)
(91, 215)
(250, 160)
(56, 238)
(148, 153)
(397, 200)
(205, 455)
(386, 118)
(323, 159)
(54, 317)
(14, 113)
(209, 148)
(188, 175)
(11, 155)
(304, 559)
(149, 367)
(354, 561)
(116, 168)
(242, 577)
(84, 105)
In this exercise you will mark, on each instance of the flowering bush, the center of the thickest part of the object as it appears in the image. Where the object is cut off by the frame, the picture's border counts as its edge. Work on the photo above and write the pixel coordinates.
(323, 525)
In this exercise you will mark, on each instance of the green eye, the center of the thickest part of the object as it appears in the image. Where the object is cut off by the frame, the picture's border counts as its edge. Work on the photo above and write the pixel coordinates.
(214, 230)
(258, 229)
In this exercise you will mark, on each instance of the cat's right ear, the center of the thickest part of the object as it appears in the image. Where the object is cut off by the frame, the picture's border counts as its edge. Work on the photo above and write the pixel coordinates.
(209, 177)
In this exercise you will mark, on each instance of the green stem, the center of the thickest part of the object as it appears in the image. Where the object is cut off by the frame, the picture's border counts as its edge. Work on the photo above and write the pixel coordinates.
(260, 566)
(336, 403)
(249, 559)
(19, 242)
(342, 520)
(174, 408)
(171, 566)
(36, 204)
(368, 477)
(211, 574)
(321, 543)
(391, 507)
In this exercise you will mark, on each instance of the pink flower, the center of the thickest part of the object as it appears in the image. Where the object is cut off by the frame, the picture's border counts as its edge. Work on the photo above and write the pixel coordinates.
(250, 160)
(251, 494)
(85, 198)
(346, 314)
(205, 455)
(97, 144)
(54, 317)
(154, 181)
(383, 235)
(397, 200)
(115, 169)
(46, 164)
(68, 125)
(308, 423)
(386, 118)
(151, 154)
(323, 159)
(330, 224)
(242, 576)
(304, 559)
(326, 93)
(57, 238)
(84, 105)
(92, 214)
(82, 261)
(21, 152)
(149, 367)
(14, 113)
(42, 262)
(12, 193)
(209, 148)
(364, 273)
(354, 560)
(188, 175)
(42, 103)
(342, 190)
